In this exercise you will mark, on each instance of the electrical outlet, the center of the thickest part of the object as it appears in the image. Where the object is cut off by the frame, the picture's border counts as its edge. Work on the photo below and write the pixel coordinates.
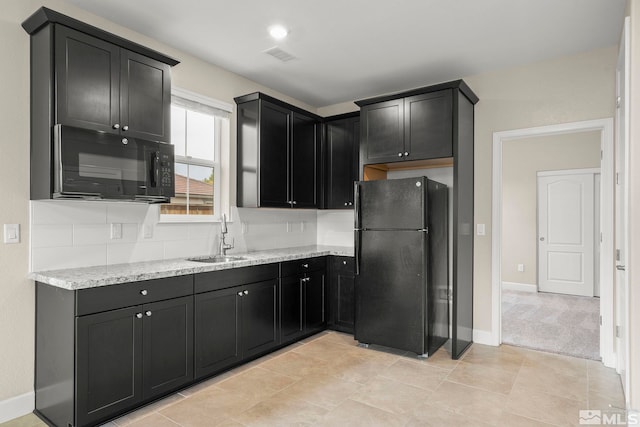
(521, 268)
(289, 227)
(116, 231)
(245, 227)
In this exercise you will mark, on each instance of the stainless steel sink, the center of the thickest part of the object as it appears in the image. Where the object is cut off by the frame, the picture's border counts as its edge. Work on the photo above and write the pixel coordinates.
(217, 259)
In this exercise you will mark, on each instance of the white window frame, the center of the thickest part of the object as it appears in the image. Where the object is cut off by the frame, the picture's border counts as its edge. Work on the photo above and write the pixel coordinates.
(217, 164)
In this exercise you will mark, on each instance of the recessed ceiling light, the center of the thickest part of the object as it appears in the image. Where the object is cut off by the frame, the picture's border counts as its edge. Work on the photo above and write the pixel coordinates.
(278, 32)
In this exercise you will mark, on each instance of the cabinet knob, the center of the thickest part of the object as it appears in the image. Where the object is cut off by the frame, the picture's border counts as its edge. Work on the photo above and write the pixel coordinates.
(350, 203)
(305, 265)
(125, 141)
(406, 153)
(399, 154)
(346, 203)
(240, 293)
(116, 126)
(125, 128)
(139, 315)
(143, 292)
(246, 292)
(148, 313)
(294, 202)
(344, 262)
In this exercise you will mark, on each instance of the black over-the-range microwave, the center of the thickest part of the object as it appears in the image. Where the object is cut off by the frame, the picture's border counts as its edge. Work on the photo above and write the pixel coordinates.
(97, 165)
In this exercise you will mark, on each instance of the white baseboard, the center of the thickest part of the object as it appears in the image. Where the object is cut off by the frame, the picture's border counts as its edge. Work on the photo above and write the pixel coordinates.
(482, 337)
(524, 287)
(17, 406)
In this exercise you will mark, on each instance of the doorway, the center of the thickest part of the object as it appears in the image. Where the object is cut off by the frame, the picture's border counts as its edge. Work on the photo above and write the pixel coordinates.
(503, 141)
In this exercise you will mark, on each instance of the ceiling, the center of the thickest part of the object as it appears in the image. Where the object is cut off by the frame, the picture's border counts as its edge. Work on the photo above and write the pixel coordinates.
(353, 49)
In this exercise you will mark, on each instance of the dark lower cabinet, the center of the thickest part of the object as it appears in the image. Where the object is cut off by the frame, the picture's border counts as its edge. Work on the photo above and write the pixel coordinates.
(109, 363)
(132, 354)
(341, 294)
(235, 324)
(302, 298)
(217, 329)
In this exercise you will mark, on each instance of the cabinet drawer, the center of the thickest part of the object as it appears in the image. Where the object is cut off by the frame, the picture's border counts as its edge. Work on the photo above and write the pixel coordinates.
(105, 298)
(344, 265)
(299, 266)
(222, 279)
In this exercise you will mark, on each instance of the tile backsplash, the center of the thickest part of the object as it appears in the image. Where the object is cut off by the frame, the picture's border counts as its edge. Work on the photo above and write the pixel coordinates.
(70, 234)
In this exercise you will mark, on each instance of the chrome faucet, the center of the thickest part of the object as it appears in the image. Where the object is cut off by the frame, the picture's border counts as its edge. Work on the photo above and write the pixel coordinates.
(224, 246)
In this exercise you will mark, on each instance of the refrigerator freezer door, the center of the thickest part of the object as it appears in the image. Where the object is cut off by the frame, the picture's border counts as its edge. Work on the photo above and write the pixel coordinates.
(397, 204)
(391, 290)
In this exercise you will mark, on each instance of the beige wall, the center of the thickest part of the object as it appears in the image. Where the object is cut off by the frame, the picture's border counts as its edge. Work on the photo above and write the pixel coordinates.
(16, 292)
(521, 160)
(633, 257)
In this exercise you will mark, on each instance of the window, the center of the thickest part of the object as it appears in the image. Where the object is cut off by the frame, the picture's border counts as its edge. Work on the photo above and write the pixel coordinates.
(199, 126)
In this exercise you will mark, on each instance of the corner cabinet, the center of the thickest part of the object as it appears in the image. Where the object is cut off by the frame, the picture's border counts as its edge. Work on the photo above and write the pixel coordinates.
(278, 154)
(342, 136)
(85, 77)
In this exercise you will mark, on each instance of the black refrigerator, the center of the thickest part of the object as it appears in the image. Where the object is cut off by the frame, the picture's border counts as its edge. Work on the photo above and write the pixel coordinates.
(402, 266)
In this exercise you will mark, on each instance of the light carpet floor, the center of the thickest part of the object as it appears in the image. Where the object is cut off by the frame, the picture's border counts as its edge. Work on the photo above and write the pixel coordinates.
(563, 324)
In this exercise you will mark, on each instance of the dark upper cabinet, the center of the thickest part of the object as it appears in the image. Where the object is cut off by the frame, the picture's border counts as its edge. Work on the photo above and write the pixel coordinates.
(342, 136)
(428, 126)
(304, 161)
(341, 294)
(109, 363)
(103, 87)
(145, 97)
(87, 73)
(417, 127)
(278, 154)
(382, 131)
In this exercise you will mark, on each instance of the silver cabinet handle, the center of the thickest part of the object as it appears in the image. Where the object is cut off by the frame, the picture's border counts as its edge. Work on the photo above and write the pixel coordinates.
(399, 154)
(346, 203)
(143, 292)
(621, 267)
(246, 292)
(116, 126)
(240, 293)
(344, 262)
(125, 128)
(125, 141)
(139, 315)
(350, 203)
(148, 313)
(406, 153)
(294, 202)
(305, 265)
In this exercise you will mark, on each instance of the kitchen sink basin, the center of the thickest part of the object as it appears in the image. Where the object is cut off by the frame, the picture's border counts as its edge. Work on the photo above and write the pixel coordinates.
(217, 259)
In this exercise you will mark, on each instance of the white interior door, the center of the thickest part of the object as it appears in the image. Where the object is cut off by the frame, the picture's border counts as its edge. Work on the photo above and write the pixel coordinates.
(621, 208)
(566, 233)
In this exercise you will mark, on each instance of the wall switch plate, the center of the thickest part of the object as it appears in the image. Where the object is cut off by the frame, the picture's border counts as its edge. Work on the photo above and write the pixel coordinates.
(245, 227)
(147, 231)
(12, 233)
(521, 268)
(289, 227)
(481, 230)
(116, 231)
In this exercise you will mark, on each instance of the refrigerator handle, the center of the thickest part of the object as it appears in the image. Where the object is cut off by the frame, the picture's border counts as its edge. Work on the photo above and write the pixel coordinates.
(356, 202)
(358, 237)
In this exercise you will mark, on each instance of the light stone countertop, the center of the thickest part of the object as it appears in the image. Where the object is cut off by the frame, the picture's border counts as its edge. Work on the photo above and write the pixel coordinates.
(91, 277)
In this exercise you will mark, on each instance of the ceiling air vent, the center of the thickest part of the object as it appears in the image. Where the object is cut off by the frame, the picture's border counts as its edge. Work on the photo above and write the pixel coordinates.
(279, 54)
